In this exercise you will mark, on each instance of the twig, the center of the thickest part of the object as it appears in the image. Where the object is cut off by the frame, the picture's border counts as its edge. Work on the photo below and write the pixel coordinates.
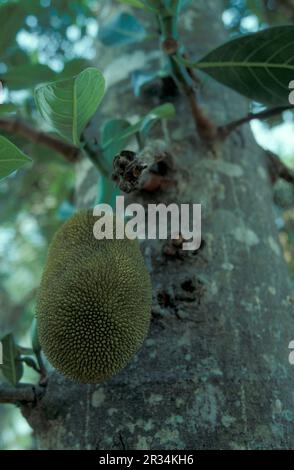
(225, 130)
(15, 126)
(204, 126)
(191, 71)
(38, 353)
(42, 369)
(21, 394)
(183, 75)
(278, 169)
(94, 153)
(30, 363)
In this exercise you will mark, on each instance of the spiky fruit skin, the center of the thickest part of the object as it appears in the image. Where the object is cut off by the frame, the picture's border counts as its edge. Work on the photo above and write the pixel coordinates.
(94, 302)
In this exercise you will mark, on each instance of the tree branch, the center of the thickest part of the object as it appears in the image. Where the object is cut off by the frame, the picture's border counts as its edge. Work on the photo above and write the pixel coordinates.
(184, 76)
(15, 126)
(21, 394)
(204, 126)
(278, 169)
(225, 130)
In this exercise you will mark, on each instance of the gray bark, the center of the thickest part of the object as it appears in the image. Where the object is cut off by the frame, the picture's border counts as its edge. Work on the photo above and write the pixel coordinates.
(213, 372)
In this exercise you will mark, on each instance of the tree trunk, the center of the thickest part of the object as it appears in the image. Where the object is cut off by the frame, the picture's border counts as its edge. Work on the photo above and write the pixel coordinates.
(213, 372)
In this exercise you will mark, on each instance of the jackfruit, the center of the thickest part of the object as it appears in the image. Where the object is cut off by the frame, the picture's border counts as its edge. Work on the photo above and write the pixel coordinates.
(94, 302)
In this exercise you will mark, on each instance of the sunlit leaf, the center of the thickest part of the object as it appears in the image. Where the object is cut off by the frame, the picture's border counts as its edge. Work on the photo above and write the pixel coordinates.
(68, 105)
(259, 66)
(12, 367)
(11, 157)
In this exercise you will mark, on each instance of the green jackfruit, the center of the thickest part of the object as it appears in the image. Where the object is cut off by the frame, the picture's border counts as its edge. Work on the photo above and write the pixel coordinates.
(94, 302)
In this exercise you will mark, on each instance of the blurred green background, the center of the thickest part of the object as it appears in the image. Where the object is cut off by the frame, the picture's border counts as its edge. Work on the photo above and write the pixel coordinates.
(61, 36)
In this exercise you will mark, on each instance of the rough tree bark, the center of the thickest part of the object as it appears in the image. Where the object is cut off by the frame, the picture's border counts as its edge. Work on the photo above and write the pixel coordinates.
(213, 372)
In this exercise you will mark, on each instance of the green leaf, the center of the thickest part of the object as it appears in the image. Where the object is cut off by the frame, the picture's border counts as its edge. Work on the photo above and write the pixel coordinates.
(259, 66)
(164, 111)
(68, 105)
(27, 76)
(144, 125)
(12, 367)
(106, 191)
(111, 146)
(118, 142)
(11, 157)
(111, 128)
